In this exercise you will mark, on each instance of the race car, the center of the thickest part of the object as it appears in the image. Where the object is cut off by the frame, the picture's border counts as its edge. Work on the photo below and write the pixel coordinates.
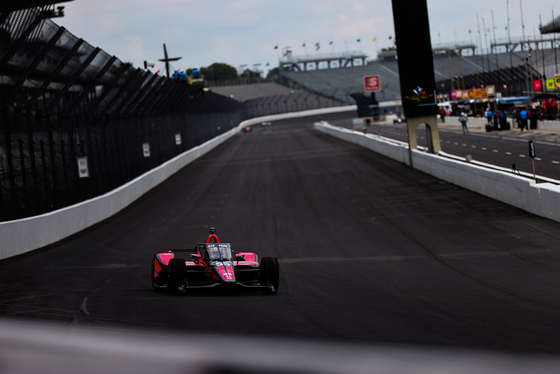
(213, 264)
(399, 119)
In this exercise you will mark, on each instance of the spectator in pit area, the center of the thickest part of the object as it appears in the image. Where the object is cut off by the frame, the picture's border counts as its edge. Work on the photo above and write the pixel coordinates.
(533, 118)
(176, 74)
(196, 73)
(182, 75)
(489, 115)
(523, 116)
(503, 119)
(495, 120)
(442, 115)
(464, 119)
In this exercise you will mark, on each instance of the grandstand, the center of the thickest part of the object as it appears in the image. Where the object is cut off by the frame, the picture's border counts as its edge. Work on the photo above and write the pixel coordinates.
(514, 69)
(345, 59)
(252, 91)
(271, 98)
(340, 83)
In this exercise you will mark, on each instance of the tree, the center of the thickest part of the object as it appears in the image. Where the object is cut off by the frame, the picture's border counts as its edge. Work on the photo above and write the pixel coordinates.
(248, 73)
(219, 71)
(274, 76)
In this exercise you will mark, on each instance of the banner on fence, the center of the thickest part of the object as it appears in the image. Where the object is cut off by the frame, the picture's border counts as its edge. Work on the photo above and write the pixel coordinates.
(83, 169)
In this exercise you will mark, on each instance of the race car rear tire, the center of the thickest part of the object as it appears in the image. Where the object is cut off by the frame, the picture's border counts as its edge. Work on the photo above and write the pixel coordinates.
(270, 274)
(176, 276)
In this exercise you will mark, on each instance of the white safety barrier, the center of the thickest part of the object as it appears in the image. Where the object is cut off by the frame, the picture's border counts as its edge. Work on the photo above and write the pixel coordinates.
(542, 199)
(24, 235)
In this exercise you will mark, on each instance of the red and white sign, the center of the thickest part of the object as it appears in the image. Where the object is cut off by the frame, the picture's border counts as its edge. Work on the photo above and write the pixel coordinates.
(372, 83)
(537, 85)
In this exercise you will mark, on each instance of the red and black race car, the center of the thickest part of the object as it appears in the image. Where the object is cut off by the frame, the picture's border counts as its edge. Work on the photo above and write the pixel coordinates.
(213, 264)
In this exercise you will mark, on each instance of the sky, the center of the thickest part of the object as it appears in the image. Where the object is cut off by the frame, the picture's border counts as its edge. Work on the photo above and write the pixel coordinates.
(244, 33)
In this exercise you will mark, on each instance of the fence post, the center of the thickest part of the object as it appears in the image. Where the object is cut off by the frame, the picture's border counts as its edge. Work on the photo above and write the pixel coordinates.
(22, 164)
(10, 158)
(52, 162)
(30, 118)
(46, 185)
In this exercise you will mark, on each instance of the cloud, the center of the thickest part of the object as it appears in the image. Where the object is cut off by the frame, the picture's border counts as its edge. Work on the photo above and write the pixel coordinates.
(246, 31)
(134, 47)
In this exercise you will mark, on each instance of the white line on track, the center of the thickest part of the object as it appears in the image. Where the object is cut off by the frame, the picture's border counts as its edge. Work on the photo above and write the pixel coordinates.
(83, 307)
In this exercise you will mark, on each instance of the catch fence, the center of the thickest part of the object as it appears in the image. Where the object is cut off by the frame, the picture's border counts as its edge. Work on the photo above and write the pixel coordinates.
(77, 122)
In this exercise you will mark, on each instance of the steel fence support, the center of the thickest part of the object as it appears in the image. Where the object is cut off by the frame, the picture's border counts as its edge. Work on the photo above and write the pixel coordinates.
(95, 81)
(16, 44)
(107, 89)
(153, 98)
(153, 107)
(31, 68)
(72, 80)
(145, 93)
(172, 99)
(131, 94)
(55, 72)
(128, 82)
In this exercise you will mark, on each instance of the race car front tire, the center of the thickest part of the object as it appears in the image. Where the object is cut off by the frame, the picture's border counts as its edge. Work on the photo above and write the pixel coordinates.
(270, 275)
(176, 282)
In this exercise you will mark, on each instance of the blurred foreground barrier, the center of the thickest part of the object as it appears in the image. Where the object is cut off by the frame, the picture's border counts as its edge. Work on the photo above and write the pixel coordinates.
(35, 348)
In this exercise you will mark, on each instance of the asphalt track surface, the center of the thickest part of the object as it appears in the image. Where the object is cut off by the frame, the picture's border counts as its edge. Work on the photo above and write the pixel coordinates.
(370, 251)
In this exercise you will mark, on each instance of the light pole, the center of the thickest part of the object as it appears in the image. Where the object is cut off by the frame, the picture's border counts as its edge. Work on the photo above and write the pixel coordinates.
(522, 23)
(528, 69)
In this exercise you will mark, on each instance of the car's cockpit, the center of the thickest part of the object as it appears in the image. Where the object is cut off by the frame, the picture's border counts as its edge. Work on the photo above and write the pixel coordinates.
(215, 251)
